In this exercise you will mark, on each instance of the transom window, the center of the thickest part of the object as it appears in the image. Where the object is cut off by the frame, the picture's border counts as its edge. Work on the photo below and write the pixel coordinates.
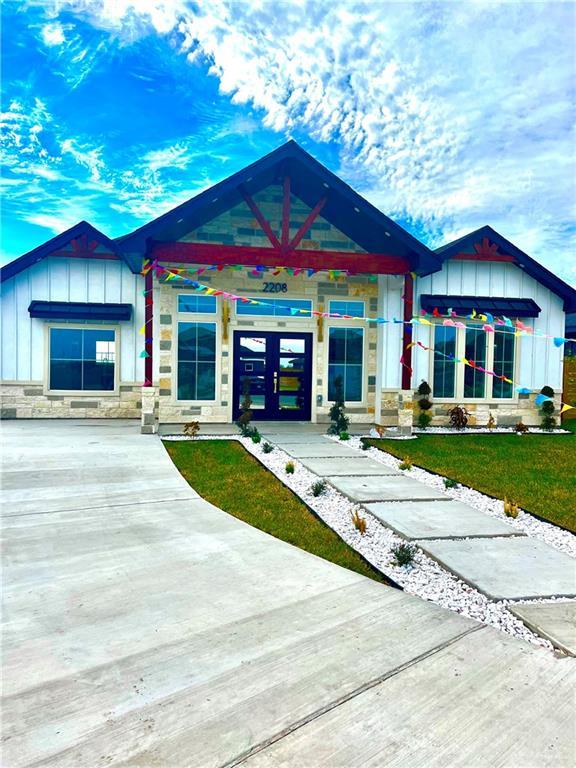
(275, 307)
(82, 359)
(196, 361)
(345, 359)
(194, 303)
(352, 308)
(492, 351)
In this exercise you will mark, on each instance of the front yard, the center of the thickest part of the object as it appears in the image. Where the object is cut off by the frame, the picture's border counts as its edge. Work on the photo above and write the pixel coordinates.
(536, 471)
(225, 474)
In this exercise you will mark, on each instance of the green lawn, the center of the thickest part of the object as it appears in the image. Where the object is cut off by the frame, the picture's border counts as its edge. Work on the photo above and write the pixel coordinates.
(224, 473)
(536, 471)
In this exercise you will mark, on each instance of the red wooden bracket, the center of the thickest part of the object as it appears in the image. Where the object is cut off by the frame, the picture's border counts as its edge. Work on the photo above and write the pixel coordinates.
(307, 224)
(260, 218)
(286, 214)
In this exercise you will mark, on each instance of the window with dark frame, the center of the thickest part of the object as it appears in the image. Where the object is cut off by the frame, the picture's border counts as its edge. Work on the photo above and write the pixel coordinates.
(82, 359)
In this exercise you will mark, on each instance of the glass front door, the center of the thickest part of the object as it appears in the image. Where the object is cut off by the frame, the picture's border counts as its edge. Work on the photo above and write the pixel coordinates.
(275, 370)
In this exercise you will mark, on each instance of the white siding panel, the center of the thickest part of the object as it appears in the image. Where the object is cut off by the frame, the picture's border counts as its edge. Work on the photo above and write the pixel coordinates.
(60, 279)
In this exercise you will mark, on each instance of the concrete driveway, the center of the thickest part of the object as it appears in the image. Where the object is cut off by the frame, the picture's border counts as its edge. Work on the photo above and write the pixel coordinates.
(145, 627)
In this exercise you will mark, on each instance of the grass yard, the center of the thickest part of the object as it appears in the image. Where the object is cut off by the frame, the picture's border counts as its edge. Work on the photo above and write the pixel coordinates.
(224, 473)
(536, 471)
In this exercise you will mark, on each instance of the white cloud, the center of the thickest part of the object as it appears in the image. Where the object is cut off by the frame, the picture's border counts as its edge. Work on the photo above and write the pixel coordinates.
(53, 34)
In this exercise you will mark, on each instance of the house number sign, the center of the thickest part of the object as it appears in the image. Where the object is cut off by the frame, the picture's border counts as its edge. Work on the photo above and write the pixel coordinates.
(275, 288)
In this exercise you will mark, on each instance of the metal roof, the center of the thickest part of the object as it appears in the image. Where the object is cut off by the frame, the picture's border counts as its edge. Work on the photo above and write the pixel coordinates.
(78, 310)
(465, 304)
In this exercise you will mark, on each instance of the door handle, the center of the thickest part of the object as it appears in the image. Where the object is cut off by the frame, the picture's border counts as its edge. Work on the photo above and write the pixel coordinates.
(275, 382)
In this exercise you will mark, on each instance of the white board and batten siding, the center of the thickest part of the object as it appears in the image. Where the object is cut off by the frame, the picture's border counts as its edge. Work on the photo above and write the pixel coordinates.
(540, 362)
(62, 279)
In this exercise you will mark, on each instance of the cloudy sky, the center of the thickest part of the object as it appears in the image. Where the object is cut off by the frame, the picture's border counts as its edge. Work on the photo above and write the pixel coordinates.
(446, 115)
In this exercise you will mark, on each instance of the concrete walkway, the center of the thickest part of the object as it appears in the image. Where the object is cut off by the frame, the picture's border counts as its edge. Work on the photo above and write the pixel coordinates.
(487, 553)
(143, 626)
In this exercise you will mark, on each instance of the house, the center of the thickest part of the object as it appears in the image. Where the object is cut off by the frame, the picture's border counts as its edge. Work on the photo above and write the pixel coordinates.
(281, 282)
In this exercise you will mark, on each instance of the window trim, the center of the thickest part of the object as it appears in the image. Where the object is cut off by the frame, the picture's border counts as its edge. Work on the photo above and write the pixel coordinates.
(274, 318)
(347, 300)
(197, 295)
(197, 317)
(459, 374)
(87, 393)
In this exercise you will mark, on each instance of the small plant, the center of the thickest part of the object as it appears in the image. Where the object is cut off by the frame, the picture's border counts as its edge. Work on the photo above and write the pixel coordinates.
(449, 483)
(403, 554)
(243, 421)
(289, 468)
(510, 508)
(267, 448)
(547, 409)
(406, 463)
(424, 405)
(344, 436)
(339, 419)
(364, 445)
(255, 436)
(424, 419)
(521, 428)
(458, 417)
(491, 423)
(318, 488)
(191, 429)
(359, 522)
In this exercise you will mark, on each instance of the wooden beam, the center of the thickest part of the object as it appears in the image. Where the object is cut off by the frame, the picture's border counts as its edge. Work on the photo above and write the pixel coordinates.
(307, 224)
(478, 257)
(258, 215)
(208, 253)
(149, 328)
(286, 214)
(407, 331)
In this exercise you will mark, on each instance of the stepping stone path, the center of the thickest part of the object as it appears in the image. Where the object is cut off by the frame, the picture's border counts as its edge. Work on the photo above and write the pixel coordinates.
(554, 621)
(488, 554)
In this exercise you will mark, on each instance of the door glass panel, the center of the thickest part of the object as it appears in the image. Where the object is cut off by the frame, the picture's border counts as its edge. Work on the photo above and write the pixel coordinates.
(256, 388)
(292, 346)
(294, 364)
(252, 366)
(290, 384)
(290, 402)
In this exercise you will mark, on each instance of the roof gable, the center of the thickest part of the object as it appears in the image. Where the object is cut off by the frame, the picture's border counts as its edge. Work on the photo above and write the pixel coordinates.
(310, 181)
(80, 241)
(485, 244)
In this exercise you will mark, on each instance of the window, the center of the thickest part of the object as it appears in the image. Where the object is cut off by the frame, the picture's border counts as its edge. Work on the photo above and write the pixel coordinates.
(493, 351)
(475, 350)
(352, 308)
(345, 356)
(196, 361)
(275, 308)
(444, 369)
(190, 302)
(503, 362)
(82, 359)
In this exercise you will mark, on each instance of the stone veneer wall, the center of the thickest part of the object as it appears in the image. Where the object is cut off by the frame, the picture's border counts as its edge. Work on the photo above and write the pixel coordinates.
(27, 400)
(317, 288)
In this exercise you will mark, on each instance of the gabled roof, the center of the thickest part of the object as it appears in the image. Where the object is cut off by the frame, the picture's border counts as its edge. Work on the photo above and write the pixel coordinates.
(522, 260)
(310, 181)
(83, 228)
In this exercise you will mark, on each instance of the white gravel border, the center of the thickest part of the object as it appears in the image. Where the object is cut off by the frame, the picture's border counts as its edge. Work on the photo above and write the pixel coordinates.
(425, 578)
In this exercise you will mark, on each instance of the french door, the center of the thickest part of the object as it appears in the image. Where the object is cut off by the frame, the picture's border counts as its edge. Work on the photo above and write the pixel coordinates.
(275, 369)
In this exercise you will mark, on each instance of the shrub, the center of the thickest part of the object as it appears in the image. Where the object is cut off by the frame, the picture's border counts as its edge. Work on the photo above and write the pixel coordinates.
(406, 463)
(403, 554)
(339, 419)
(255, 436)
(424, 389)
(521, 428)
(491, 423)
(289, 468)
(191, 429)
(344, 436)
(424, 419)
(547, 409)
(243, 421)
(547, 391)
(449, 483)
(267, 448)
(458, 417)
(318, 488)
(510, 508)
(359, 522)
(364, 445)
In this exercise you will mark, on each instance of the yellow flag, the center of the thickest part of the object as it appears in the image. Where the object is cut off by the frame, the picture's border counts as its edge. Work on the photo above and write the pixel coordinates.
(424, 321)
(567, 407)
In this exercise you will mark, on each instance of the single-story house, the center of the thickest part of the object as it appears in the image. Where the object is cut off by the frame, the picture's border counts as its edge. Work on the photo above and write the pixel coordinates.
(281, 282)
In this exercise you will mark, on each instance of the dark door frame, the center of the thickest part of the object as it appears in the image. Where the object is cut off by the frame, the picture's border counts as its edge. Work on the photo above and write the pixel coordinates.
(272, 410)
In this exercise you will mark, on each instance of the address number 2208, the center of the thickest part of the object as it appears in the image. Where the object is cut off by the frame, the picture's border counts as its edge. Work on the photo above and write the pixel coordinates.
(275, 288)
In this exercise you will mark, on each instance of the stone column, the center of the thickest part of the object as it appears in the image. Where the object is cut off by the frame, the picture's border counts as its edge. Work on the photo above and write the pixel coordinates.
(405, 411)
(149, 425)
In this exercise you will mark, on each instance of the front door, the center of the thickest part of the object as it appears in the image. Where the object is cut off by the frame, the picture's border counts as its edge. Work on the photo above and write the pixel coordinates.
(275, 369)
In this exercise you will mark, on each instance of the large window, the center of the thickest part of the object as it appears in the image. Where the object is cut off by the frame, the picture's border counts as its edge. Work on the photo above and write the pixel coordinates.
(196, 361)
(274, 307)
(345, 355)
(191, 302)
(492, 351)
(351, 308)
(82, 359)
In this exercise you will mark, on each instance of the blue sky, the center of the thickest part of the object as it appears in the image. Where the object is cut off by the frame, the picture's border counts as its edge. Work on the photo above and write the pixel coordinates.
(447, 116)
